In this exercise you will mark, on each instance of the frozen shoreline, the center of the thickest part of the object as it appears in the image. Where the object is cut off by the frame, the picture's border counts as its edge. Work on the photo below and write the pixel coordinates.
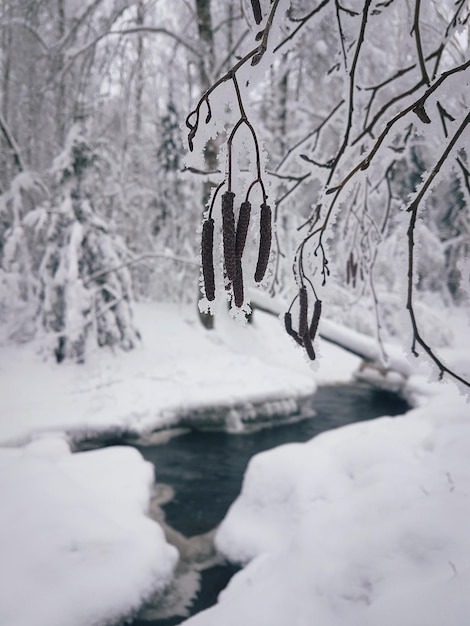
(93, 506)
(75, 534)
(178, 369)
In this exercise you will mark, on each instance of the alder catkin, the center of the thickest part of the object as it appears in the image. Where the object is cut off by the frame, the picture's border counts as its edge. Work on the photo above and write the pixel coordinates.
(315, 319)
(207, 246)
(255, 5)
(303, 311)
(289, 330)
(242, 228)
(237, 285)
(264, 242)
(228, 233)
(309, 347)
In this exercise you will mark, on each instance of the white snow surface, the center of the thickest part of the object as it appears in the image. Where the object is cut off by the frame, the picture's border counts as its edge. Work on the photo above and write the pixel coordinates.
(76, 544)
(179, 366)
(363, 526)
(77, 547)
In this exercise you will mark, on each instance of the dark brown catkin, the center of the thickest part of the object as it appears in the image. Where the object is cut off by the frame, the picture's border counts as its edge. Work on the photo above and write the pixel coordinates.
(303, 311)
(237, 286)
(309, 347)
(207, 246)
(255, 5)
(289, 330)
(242, 228)
(264, 242)
(315, 319)
(228, 232)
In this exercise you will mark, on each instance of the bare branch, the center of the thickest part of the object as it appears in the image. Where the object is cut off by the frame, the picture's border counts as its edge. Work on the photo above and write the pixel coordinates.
(73, 56)
(413, 210)
(419, 49)
(138, 259)
(22, 24)
(14, 147)
(302, 23)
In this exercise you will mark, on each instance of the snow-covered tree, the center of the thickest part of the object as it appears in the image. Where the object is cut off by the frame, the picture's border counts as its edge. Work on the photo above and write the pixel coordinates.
(368, 158)
(62, 261)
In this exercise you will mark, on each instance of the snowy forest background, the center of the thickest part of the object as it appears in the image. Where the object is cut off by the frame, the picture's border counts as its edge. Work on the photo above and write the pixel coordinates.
(99, 204)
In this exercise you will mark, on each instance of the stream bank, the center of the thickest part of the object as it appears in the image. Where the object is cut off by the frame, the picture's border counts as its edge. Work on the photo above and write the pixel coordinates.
(199, 474)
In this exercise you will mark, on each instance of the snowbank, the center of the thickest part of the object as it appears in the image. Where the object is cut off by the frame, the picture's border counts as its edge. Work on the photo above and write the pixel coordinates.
(76, 545)
(178, 371)
(361, 526)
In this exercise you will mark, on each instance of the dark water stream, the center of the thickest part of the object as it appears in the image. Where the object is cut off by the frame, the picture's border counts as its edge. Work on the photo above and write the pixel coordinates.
(205, 471)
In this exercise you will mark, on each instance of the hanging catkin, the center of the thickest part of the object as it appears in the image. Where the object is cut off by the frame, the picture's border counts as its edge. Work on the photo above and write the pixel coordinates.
(228, 232)
(309, 347)
(242, 228)
(237, 285)
(207, 246)
(303, 311)
(264, 242)
(315, 319)
(289, 330)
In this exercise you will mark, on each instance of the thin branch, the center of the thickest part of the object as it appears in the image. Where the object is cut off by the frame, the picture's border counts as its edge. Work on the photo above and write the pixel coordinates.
(419, 48)
(376, 88)
(14, 147)
(232, 51)
(302, 21)
(72, 57)
(341, 34)
(413, 210)
(465, 174)
(77, 23)
(420, 102)
(29, 28)
(316, 131)
(139, 259)
(352, 85)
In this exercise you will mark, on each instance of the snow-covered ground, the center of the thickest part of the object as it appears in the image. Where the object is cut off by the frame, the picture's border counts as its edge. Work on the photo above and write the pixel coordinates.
(77, 545)
(362, 526)
(365, 525)
(179, 368)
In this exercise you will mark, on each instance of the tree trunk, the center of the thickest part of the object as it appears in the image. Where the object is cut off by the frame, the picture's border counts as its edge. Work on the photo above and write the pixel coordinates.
(206, 65)
(139, 82)
(60, 99)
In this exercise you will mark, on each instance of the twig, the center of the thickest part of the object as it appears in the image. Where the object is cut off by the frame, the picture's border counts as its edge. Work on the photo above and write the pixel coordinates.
(316, 131)
(139, 259)
(302, 21)
(419, 48)
(14, 147)
(413, 210)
